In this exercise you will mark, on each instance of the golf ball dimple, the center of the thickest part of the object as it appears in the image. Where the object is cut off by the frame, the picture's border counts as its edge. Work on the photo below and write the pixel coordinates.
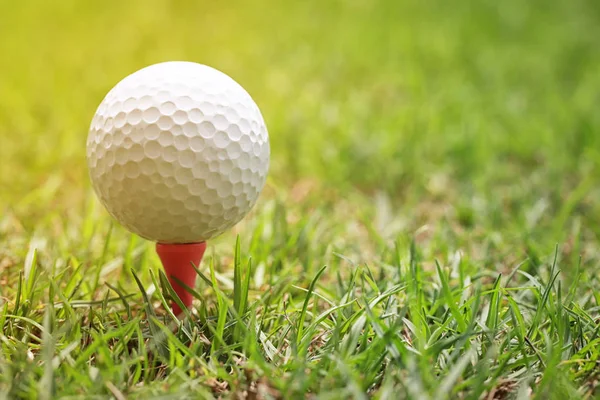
(178, 152)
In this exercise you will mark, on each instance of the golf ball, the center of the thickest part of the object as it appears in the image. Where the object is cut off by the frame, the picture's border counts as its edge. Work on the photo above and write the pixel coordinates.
(178, 152)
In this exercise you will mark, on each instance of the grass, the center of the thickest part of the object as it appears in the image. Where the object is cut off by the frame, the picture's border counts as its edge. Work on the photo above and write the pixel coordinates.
(429, 230)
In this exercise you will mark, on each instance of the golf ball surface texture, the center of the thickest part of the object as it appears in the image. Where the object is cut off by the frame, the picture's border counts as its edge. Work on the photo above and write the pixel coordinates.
(178, 152)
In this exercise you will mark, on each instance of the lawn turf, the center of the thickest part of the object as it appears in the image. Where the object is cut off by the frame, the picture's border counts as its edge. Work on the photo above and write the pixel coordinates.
(430, 227)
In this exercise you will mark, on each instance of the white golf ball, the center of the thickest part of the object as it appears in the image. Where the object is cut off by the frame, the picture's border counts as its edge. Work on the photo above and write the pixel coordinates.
(178, 152)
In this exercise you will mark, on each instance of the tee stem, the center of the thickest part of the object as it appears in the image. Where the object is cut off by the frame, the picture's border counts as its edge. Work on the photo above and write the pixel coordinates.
(177, 261)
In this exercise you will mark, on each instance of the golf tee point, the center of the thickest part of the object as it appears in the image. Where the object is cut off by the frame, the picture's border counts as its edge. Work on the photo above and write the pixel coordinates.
(177, 261)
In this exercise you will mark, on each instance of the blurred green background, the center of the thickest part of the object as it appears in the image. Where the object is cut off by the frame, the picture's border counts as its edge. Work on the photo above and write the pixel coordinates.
(366, 94)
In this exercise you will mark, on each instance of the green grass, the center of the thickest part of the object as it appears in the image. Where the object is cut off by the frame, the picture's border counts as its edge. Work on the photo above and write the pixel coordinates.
(430, 228)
